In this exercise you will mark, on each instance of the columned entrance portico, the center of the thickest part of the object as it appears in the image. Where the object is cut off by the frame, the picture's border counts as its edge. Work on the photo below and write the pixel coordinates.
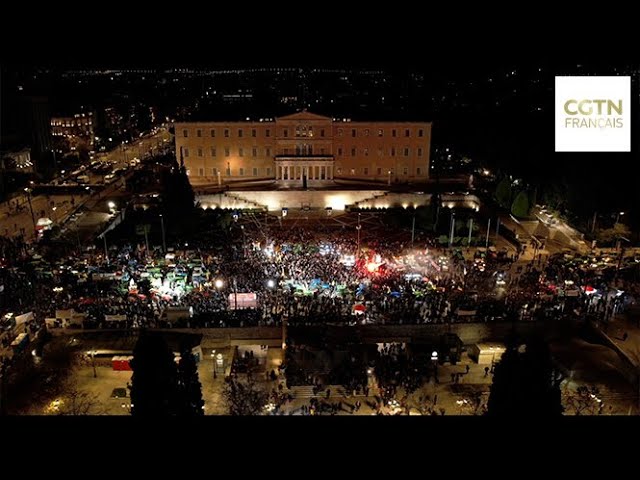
(292, 170)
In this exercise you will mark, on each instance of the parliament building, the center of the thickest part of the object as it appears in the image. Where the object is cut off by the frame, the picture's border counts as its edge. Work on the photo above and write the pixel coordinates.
(304, 149)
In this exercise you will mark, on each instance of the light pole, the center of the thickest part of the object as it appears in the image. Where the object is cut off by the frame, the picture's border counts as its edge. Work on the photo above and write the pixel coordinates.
(618, 219)
(389, 179)
(235, 293)
(358, 228)
(33, 218)
(453, 225)
(413, 228)
(92, 354)
(486, 243)
(164, 243)
(106, 251)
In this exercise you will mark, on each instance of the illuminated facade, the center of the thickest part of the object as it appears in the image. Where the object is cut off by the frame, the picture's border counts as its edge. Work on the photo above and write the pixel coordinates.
(304, 148)
(76, 129)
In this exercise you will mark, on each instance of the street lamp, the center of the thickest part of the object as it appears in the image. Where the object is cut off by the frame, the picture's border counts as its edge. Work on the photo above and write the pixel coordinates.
(164, 243)
(218, 283)
(358, 228)
(33, 218)
(453, 224)
(389, 179)
(92, 354)
(618, 218)
(271, 283)
(111, 205)
(434, 359)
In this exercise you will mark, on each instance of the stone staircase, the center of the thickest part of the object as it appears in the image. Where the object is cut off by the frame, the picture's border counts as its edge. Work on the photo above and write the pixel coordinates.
(244, 201)
(306, 391)
(368, 202)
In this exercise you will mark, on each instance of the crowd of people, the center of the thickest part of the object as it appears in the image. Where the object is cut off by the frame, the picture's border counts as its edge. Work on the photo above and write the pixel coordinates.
(307, 276)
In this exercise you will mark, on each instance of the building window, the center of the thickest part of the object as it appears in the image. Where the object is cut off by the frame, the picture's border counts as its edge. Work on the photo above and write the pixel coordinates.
(185, 133)
(200, 152)
(339, 132)
(366, 132)
(407, 133)
(254, 152)
(188, 172)
(226, 151)
(267, 151)
(322, 151)
(322, 132)
(418, 171)
(186, 151)
(339, 170)
(353, 152)
(213, 133)
(379, 170)
(353, 171)
(311, 131)
(241, 173)
(226, 132)
(339, 151)
(366, 170)
(393, 151)
(198, 133)
(241, 152)
(214, 171)
(286, 151)
(213, 151)
(405, 170)
(201, 172)
(421, 133)
(267, 132)
(255, 172)
(253, 132)
(228, 171)
(239, 133)
(268, 171)
(353, 132)
(419, 152)
(366, 152)
(406, 152)
(286, 132)
(394, 133)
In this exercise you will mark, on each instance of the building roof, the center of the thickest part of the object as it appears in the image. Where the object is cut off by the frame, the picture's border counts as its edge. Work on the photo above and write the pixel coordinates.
(304, 115)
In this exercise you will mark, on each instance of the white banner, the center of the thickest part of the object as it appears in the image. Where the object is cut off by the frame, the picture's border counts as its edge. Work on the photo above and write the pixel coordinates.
(27, 317)
(115, 318)
(64, 314)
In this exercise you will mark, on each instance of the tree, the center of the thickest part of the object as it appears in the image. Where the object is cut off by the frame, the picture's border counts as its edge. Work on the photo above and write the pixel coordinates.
(154, 384)
(609, 236)
(79, 402)
(503, 192)
(191, 402)
(520, 206)
(244, 397)
(526, 383)
(584, 401)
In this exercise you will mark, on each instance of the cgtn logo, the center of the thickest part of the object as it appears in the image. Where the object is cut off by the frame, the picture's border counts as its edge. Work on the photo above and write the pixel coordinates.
(593, 114)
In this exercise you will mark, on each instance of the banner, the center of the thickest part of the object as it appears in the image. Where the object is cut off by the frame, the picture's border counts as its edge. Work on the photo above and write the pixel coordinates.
(239, 301)
(64, 314)
(115, 318)
(27, 317)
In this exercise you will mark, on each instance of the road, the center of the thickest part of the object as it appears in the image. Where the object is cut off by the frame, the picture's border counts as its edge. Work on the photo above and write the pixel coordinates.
(557, 227)
(16, 217)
